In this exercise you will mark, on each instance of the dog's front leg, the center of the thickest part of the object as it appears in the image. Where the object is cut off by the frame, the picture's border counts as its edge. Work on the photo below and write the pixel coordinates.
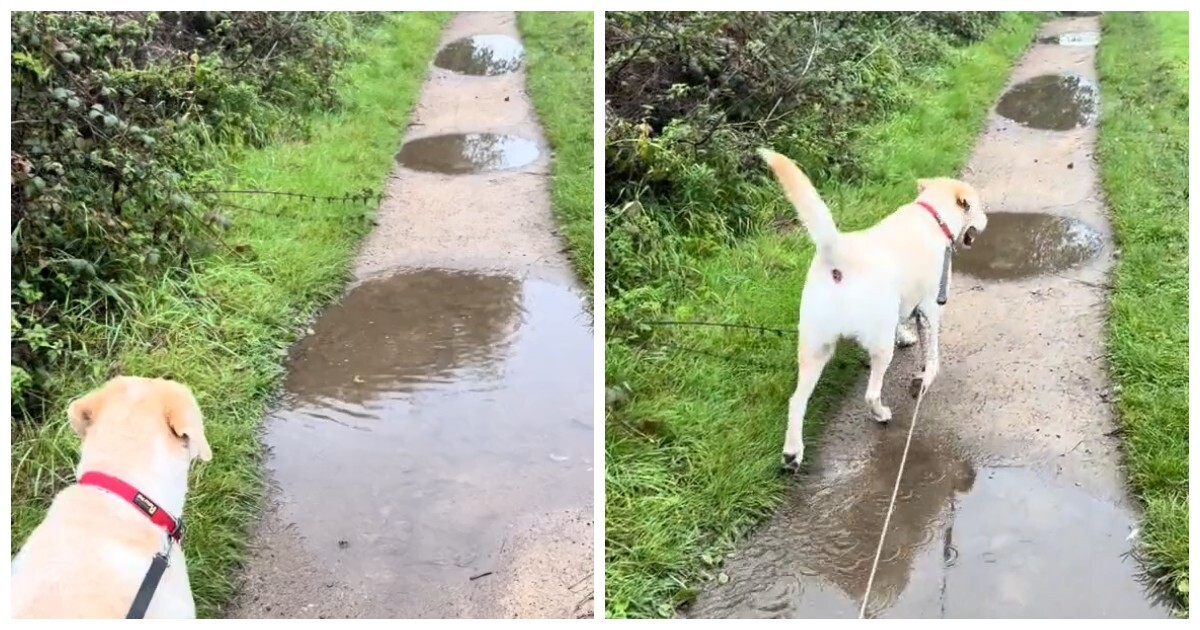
(928, 326)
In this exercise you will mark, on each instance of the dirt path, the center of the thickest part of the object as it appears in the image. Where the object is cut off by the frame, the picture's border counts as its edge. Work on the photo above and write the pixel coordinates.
(1012, 503)
(432, 452)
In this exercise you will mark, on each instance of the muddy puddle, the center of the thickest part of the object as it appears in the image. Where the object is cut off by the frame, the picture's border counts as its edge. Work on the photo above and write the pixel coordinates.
(965, 541)
(1052, 102)
(1090, 38)
(1019, 245)
(458, 154)
(481, 55)
(429, 417)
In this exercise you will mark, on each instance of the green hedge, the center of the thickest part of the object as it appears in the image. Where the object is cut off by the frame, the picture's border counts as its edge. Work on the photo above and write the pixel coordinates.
(116, 116)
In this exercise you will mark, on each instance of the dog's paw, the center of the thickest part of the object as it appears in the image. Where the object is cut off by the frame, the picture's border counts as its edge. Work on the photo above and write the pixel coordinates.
(791, 462)
(882, 414)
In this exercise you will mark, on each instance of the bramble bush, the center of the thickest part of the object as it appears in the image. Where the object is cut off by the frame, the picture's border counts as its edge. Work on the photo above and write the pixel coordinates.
(116, 116)
(690, 96)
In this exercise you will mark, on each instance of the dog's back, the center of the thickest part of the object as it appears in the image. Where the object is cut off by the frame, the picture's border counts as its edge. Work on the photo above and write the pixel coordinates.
(87, 559)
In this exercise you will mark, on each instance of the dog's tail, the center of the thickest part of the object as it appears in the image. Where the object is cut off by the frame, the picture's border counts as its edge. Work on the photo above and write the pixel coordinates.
(812, 210)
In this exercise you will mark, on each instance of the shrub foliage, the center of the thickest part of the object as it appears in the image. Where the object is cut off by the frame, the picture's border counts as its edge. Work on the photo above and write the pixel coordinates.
(116, 116)
(689, 96)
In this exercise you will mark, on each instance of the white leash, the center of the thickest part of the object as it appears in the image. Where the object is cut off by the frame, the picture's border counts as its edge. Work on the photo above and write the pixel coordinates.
(891, 506)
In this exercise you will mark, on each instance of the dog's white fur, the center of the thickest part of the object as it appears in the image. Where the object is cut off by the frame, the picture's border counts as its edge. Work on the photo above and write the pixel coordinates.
(888, 272)
(89, 555)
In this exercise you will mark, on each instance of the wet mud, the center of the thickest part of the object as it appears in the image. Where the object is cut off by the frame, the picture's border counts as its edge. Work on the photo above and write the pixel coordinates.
(1019, 245)
(463, 153)
(1090, 38)
(481, 55)
(1051, 102)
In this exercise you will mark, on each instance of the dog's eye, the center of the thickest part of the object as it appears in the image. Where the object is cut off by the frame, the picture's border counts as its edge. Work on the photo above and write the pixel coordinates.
(962, 203)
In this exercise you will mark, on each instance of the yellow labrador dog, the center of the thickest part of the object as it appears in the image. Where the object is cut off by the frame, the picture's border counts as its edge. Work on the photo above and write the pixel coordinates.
(101, 537)
(865, 285)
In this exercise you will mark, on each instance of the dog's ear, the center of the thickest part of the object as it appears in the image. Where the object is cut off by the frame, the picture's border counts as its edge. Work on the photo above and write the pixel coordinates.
(83, 411)
(922, 184)
(962, 197)
(183, 416)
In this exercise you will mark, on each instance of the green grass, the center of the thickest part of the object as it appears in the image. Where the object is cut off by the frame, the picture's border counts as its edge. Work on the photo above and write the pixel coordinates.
(223, 329)
(558, 50)
(692, 457)
(1143, 156)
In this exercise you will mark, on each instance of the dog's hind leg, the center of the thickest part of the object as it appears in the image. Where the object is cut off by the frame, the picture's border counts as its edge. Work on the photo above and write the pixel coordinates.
(812, 362)
(881, 357)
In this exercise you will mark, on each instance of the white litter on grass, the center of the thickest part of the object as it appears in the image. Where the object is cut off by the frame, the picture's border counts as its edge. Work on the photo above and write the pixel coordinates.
(1133, 534)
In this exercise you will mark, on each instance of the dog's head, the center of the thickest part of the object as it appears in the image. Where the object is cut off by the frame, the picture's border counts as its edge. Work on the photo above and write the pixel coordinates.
(142, 413)
(965, 198)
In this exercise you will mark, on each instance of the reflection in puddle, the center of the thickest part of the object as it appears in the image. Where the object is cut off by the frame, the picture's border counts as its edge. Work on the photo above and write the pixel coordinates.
(1090, 38)
(439, 407)
(963, 543)
(1052, 102)
(1036, 548)
(417, 331)
(481, 55)
(814, 558)
(1019, 244)
(456, 154)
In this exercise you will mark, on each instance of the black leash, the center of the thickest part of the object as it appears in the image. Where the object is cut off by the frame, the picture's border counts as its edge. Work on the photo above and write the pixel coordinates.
(158, 566)
(756, 363)
(759, 329)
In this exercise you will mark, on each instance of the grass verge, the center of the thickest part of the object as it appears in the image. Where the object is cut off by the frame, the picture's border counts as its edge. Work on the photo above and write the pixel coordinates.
(1143, 157)
(558, 48)
(692, 454)
(224, 328)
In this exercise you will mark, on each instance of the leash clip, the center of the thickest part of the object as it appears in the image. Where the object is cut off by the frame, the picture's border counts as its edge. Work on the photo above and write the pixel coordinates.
(166, 548)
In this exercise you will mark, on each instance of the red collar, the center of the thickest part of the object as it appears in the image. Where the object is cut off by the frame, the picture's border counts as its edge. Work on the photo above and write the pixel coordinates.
(937, 217)
(157, 515)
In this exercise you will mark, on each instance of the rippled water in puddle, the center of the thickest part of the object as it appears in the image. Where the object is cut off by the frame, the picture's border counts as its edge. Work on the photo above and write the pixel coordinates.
(461, 153)
(1021, 244)
(963, 543)
(1052, 102)
(481, 55)
(428, 414)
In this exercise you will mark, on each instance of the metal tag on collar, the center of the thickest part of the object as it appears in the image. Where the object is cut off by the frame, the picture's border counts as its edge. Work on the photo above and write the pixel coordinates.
(943, 285)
